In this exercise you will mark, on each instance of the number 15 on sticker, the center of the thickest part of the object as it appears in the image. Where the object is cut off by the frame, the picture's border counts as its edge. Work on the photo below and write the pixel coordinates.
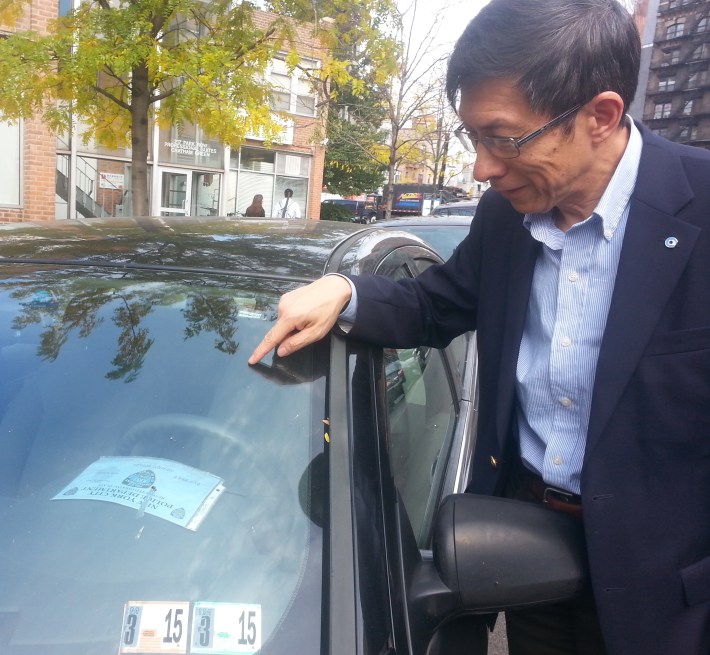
(155, 627)
(225, 628)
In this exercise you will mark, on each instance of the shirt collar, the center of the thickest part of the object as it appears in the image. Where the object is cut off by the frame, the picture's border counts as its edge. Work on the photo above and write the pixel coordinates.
(613, 203)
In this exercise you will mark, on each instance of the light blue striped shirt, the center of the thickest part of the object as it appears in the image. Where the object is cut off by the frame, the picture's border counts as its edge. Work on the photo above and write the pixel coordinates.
(567, 312)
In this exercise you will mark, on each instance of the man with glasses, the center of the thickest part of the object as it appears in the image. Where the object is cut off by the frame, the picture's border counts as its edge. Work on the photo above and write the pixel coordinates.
(587, 277)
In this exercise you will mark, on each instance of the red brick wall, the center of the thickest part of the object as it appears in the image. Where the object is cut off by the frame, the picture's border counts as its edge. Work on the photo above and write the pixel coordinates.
(39, 144)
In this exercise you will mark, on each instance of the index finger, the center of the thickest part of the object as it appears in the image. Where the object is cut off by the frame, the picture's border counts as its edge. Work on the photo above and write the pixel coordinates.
(271, 339)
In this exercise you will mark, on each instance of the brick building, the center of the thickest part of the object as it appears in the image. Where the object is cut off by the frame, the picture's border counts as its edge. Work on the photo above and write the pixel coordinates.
(45, 176)
(29, 155)
(677, 85)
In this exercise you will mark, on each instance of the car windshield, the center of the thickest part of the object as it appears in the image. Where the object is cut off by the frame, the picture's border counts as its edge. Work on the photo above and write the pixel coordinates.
(155, 491)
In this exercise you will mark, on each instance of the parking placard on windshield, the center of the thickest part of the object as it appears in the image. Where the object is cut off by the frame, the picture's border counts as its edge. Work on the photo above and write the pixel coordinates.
(169, 490)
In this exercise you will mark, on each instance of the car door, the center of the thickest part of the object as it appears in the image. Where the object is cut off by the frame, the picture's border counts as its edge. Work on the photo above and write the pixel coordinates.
(412, 423)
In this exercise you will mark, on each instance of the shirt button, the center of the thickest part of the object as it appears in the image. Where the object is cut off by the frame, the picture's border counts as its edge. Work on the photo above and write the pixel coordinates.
(573, 277)
(565, 402)
(557, 461)
(608, 233)
(565, 342)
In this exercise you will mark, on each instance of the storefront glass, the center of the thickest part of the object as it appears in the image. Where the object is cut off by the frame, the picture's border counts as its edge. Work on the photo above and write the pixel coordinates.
(269, 173)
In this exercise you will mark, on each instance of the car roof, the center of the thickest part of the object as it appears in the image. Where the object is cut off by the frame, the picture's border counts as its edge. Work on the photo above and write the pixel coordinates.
(299, 249)
(428, 221)
(460, 203)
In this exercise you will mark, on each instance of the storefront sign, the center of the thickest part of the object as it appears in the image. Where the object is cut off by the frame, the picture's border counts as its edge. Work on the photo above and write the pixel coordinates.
(188, 147)
(111, 180)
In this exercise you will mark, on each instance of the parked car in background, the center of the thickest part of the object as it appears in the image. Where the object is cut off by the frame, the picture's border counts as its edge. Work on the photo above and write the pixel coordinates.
(362, 210)
(460, 208)
(442, 233)
(159, 495)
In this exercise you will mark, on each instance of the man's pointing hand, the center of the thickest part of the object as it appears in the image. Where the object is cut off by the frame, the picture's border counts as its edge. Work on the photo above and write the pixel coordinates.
(305, 316)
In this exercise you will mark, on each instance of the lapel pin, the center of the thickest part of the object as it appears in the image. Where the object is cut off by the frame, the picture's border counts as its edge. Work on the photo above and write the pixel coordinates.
(671, 242)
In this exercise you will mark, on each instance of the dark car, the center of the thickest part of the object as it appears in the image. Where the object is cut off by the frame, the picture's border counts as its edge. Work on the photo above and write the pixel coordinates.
(460, 208)
(158, 495)
(362, 211)
(441, 233)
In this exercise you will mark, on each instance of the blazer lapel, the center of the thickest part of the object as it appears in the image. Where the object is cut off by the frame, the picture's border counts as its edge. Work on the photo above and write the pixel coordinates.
(648, 273)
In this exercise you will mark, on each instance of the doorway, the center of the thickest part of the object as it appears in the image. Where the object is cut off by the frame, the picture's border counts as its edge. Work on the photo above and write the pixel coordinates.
(175, 189)
(189, 193)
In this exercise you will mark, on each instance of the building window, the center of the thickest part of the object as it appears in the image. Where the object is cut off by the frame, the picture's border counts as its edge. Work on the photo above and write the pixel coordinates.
(675, 30)
(10, 163)
(701, 52)
(267, 173)
(661, 131)
(662, 110)
(672, 4)
(702, 25)
(688, 107)
(292, 92)
(666, 84)
(696, 79)
(671, 57)
(688, 132)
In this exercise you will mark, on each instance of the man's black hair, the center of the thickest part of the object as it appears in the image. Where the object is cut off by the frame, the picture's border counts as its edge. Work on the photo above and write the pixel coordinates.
(559, 52)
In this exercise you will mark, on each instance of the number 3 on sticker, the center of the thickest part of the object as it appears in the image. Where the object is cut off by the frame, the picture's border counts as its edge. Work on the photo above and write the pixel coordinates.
(155, 627)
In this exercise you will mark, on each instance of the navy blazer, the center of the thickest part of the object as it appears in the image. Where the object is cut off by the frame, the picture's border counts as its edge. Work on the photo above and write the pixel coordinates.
(646, 474)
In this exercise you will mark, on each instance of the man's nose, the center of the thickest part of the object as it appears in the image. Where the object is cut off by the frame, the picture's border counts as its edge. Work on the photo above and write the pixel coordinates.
(487, 166)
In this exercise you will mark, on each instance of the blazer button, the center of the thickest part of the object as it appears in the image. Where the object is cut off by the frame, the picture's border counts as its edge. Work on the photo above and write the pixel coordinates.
(494, 463)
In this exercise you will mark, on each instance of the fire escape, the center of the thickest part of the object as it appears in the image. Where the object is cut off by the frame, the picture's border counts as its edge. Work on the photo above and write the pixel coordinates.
(678, 92)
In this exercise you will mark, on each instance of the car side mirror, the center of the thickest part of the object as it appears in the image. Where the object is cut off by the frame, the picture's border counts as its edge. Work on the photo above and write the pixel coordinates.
(498, 554)
(493, 554)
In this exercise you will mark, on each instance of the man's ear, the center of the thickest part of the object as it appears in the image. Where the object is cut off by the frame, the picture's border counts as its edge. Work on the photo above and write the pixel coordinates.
(605, 112)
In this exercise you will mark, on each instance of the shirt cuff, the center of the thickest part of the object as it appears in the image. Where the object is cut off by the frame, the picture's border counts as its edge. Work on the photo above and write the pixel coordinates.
(347, 316)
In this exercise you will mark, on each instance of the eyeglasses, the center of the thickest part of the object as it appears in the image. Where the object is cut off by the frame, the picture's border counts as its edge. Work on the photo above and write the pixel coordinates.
(506, 147)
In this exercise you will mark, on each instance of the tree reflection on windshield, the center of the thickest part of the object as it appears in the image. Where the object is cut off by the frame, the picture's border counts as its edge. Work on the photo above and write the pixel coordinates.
(62, 307)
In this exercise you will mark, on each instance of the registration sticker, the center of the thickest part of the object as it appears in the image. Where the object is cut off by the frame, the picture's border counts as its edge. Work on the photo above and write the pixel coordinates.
(210, 629)
(225, 628)
(155, 627)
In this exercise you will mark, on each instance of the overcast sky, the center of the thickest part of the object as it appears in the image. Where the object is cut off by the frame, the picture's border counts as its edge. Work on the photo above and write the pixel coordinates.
(456, 14)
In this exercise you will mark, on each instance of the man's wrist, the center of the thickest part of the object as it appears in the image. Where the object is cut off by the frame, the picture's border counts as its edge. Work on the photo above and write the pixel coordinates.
(349, 311)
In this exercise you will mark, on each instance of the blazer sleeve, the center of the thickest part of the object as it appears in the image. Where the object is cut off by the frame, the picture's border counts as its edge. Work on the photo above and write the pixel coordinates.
(430, 309)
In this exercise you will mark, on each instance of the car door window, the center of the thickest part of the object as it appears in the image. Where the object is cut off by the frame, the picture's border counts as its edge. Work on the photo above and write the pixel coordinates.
(421, 415)
(421, 411)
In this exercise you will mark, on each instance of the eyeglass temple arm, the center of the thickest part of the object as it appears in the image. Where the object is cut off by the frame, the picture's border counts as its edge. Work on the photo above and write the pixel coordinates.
(549, 126)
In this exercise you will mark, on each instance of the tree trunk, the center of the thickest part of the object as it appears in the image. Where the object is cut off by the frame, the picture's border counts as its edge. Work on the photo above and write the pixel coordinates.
(444, 155)
(391, 172)
(140, 139)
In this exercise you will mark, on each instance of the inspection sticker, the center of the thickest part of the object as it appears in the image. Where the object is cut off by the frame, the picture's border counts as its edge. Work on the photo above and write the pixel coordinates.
(169, 490)
(225, 628)
(155, 627)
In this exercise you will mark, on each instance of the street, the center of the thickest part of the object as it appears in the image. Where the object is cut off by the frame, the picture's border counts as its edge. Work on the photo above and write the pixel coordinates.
(497, 644)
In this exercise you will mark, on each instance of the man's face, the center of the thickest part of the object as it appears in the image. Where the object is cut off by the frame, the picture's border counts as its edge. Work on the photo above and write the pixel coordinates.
(551, 170)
